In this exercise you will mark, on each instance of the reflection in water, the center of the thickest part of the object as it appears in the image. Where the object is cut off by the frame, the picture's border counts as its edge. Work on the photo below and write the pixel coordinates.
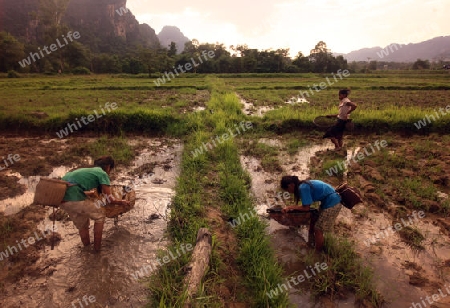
(70, 271)
(288, 244)
(250, 109)
(297, 100)
(13, 205)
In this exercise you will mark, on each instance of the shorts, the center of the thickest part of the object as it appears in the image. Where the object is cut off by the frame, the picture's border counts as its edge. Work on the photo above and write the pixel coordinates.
(337, 130)
(325, 223)
(81, 211)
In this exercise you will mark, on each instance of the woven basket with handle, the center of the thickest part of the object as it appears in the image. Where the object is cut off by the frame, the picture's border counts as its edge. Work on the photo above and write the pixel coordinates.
(50, 192)
(292, 219)
(119, 192)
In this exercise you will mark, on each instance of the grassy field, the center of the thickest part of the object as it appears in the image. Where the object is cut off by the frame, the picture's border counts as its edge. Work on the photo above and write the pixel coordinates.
(386, 100)
(197, 108)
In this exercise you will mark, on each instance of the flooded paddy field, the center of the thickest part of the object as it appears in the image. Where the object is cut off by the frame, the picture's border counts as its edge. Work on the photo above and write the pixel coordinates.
(402, 272)
(42, 277)
(408, 176)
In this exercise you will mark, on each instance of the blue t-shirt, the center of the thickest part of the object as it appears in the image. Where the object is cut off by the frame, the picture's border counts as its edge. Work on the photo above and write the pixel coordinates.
(320, 191)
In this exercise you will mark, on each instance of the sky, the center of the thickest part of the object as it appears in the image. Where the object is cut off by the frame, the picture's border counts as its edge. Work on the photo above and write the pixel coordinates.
(344, 25)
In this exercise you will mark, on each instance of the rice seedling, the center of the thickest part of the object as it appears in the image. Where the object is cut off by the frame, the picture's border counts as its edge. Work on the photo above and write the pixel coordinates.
(412, 237)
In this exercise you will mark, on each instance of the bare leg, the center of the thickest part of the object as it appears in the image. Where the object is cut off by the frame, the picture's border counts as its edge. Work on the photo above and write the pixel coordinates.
(319, 240)
(84, 234)
(312, 224)
(336, 143)
(98, 232)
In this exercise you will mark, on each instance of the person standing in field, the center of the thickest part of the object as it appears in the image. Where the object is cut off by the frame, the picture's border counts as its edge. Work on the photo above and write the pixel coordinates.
(309, 191)
(336, 132)
(80, 208)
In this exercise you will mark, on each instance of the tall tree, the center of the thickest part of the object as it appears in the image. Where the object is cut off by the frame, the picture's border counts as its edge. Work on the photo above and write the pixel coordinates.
(302, 63)
(11, 52)
(172, 50)
(319, 57)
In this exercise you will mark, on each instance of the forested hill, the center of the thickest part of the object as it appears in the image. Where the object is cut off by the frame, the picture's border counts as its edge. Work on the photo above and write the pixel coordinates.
(104, 25)
(171, 34)
(435, 49)
(103, 36)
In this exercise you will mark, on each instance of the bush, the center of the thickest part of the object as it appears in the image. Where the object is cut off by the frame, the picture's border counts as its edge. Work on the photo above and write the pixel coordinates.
(13, 74)
(80, 70)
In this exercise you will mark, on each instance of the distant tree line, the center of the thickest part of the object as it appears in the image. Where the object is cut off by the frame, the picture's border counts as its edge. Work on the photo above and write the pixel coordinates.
(78, 58)
(140, 59)
(117, 55)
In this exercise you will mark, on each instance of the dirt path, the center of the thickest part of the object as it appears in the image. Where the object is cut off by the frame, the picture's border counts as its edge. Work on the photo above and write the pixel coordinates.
(111, 278)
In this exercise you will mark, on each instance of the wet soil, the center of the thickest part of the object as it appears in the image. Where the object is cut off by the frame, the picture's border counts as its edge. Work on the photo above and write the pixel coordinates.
(41, 277)
(402, 274)
(189, 102)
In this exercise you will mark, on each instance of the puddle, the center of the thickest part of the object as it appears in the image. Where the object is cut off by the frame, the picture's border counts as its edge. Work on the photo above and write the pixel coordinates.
(387, 258)
(295, 100)
(13, 205)
(128, 253)
(250, 109)
(389, 255)
(288, 244)
(199, 108)
(271, 142)
(194, 109)
(298, 164)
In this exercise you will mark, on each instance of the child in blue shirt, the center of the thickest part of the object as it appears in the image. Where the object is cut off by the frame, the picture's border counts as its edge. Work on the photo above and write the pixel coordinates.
(311, 191)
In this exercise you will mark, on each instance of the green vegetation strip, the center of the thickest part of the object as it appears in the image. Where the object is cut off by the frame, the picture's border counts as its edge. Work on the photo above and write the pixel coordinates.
(387, 101)
(217, 170)
(115, 122)
(346, 272)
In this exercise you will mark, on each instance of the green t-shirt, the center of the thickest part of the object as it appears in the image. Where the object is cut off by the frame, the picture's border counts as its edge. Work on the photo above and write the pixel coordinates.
(86, 179)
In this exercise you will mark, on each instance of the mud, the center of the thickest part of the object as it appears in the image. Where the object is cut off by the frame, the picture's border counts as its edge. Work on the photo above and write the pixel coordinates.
(289, 245)
(401, 274)
(114, 277)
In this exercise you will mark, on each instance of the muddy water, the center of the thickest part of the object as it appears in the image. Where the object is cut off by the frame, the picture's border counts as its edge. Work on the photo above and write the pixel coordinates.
(259, 111)
(11, 206)
(289, 244)
(250, 109)
(296, 100)
(388, 258)
(71, 271)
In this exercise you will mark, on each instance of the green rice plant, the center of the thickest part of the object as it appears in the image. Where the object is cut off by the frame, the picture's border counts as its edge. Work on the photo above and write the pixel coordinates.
(346, 271)
(7, 226)
(294, 144)
(412, 237)
(335, 167)
(117, 147)
(421, 188)
(194, 191)
(445, 207)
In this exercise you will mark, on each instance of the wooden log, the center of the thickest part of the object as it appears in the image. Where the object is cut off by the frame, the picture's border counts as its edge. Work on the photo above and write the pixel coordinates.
(199, 263)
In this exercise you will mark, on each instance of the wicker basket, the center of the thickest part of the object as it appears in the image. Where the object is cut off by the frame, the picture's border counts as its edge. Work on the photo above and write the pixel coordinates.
(292, 219)
(50, 192)
(119, 192)
(350, 196)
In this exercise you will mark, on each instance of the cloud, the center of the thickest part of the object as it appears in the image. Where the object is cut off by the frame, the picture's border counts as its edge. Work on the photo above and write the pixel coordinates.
(345, 25)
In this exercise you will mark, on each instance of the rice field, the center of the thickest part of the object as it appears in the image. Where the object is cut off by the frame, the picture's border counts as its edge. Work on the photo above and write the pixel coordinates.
(197, 108)
(387, 100)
